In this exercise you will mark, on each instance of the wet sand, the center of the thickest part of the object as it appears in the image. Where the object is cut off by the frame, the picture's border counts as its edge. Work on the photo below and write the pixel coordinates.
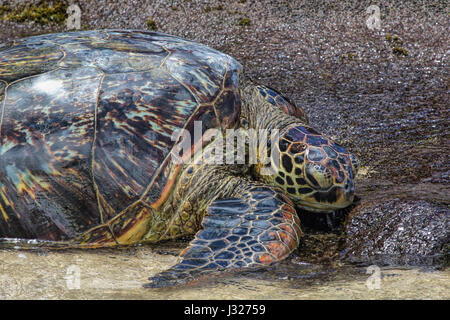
(119, 274)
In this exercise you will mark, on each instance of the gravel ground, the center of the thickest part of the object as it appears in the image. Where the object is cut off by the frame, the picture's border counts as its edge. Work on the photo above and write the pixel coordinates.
(381, 92)
(405, 233)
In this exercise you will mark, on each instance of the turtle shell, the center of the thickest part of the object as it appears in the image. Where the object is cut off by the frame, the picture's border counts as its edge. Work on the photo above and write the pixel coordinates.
(86, 128)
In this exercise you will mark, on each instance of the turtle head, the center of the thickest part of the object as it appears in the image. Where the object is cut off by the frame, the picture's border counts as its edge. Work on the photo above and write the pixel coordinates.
(315, 172)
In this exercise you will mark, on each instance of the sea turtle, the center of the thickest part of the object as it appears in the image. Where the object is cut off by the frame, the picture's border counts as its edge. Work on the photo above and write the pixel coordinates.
(87, 140)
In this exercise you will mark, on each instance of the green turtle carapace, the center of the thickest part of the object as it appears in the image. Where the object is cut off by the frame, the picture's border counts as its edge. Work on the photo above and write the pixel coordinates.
(86, 136)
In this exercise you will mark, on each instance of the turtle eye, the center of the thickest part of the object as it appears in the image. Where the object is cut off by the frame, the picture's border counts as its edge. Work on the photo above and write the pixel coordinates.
(355, 163)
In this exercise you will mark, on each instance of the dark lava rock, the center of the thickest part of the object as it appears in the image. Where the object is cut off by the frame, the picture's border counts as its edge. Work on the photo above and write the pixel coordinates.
(398, 232)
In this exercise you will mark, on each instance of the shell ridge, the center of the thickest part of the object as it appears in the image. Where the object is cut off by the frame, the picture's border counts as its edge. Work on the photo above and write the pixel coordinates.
(94, 139)
(184, 85)
(157, 172)
(3, 105)
(222, 90)
(61, 47)
(166, 57)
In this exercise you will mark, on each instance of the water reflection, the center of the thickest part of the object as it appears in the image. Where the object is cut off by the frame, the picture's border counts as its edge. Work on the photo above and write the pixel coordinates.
(119, 274)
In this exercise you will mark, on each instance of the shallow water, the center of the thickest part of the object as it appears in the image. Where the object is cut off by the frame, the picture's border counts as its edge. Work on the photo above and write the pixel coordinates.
(120, 273)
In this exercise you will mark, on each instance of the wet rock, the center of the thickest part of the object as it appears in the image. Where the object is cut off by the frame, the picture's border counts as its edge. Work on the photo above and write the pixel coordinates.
(320, 249)
(397, 232)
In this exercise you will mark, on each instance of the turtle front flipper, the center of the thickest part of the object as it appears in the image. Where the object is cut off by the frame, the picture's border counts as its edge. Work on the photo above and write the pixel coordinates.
(256, 229)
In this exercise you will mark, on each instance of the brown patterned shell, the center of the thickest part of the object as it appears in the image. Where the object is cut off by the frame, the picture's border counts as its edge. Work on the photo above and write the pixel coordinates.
(86, 124)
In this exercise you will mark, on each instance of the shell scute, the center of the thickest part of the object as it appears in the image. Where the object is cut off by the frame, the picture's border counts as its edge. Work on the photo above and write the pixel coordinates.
(44, 153)
(201, 70)
(137, 114)
(26, 60)
(112, 56)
